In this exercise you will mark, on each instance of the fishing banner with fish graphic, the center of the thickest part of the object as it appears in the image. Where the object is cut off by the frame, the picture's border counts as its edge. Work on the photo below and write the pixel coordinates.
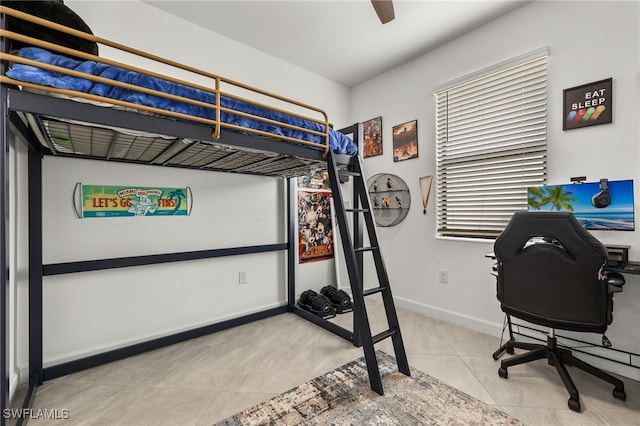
(131, 201)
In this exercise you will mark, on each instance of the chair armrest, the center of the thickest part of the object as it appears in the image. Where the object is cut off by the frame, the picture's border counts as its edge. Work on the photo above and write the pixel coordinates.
(615, 281)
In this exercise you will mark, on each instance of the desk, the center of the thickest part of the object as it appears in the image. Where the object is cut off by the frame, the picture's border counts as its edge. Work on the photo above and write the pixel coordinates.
(629, 268)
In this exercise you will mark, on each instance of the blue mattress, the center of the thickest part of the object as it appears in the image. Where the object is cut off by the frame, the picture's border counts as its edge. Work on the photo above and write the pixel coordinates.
(338, 142)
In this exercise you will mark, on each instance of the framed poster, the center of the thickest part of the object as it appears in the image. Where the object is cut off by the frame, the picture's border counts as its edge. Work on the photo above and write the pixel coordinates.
(315, 227)
(372, 137)
(405, 141)
(588, 105)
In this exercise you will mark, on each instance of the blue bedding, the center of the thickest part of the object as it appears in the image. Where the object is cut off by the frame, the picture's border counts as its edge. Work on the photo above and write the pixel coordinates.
(338, 142)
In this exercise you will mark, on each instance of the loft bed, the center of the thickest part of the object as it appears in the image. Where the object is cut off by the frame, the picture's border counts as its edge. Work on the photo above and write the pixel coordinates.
(224, 127)
(71, 102)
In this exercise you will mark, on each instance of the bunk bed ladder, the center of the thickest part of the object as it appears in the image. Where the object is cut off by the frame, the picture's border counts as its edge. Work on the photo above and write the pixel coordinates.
(362, 328)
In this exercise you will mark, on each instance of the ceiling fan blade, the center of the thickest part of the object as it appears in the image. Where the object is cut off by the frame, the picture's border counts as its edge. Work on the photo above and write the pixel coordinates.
(384, 9)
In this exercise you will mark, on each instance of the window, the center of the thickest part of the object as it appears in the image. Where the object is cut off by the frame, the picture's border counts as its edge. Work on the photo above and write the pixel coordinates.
(491, 132)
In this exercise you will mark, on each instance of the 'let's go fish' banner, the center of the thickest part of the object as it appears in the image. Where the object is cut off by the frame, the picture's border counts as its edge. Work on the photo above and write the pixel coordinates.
(112, 201)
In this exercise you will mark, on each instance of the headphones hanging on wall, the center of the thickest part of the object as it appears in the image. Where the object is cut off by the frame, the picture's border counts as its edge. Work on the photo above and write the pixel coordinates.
(603, 198)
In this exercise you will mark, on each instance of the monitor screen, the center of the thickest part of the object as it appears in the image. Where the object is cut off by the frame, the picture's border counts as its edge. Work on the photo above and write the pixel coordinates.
(604, 206)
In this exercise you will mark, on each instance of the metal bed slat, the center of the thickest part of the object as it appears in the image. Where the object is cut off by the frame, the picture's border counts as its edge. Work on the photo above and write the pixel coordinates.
(85, 140)
(39, 105)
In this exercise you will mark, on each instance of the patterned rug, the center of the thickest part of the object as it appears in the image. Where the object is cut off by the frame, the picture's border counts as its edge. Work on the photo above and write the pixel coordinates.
(343, 397)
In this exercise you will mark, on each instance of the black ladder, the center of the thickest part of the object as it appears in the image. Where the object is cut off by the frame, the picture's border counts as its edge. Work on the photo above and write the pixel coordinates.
(353, 257)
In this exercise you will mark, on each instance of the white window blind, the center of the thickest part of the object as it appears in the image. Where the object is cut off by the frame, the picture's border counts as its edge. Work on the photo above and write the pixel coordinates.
(491, 134)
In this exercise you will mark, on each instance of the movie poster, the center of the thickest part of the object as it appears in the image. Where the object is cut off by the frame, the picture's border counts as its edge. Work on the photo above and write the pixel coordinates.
(372, 137)
(315, 228)
(405, 141)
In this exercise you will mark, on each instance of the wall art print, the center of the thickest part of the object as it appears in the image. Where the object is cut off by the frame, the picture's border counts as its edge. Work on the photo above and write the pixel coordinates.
(372, 137)
(588, 105)
(405, 141)
(315, 227)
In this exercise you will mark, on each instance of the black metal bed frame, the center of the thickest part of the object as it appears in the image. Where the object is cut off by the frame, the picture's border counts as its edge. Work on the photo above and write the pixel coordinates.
(13, 101)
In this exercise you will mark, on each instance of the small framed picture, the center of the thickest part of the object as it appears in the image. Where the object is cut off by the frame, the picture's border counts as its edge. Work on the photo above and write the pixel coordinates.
(405, 141)
(588, 105)
(372, 137)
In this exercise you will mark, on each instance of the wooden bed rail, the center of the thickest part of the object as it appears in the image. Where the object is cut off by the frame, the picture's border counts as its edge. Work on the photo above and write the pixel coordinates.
(309, 111)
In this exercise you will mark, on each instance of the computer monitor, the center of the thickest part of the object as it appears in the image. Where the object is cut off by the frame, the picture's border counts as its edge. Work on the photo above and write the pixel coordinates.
(603, 206)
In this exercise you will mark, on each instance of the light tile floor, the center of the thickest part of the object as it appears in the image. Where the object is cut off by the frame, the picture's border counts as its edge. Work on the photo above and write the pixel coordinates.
(207, 379)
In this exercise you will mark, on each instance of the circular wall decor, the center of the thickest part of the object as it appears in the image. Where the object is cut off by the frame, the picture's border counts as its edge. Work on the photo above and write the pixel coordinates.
(390, 199)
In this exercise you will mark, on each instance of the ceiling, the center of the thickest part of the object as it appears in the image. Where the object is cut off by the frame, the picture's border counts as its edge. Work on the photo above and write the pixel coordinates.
(341, 40)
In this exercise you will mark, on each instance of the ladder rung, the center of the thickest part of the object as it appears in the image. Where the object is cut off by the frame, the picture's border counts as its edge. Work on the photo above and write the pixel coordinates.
(374, 290)
(365, 249)
(357, 210)
(379, 337)
(348, 173)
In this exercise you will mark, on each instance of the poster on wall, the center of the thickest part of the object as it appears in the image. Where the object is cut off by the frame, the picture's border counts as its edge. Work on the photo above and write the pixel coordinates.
(315, 227)
(372, 137)
(588, 105)
(131, 201)
(602, 206)
(405, 141)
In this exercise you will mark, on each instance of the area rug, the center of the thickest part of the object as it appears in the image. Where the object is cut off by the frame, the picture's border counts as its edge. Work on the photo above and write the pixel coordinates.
(343, 397)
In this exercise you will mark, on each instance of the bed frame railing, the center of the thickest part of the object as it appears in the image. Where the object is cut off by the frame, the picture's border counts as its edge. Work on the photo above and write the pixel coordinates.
(308, 112)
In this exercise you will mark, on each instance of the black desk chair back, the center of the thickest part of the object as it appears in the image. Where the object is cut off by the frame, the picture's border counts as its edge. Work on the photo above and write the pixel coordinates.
(551, 272)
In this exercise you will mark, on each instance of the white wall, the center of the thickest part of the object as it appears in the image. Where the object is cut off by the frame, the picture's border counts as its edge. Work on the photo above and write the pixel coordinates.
(595, 41)
(18, 263)
(93, 311)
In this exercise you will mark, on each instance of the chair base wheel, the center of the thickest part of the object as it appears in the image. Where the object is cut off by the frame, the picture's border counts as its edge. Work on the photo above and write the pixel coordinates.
(619, 394)
(502, 372)
(511, 351)
(574, 405)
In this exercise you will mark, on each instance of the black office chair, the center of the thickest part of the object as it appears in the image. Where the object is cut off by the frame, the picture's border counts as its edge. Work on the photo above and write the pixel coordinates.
(551, 272)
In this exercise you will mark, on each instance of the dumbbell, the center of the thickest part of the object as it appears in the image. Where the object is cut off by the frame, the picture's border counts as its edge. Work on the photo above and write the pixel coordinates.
(339, 298)
(316, 303)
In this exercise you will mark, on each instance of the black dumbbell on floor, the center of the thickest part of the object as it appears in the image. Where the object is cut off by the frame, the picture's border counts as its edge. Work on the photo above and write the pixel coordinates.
(339, 298)
(317, 304)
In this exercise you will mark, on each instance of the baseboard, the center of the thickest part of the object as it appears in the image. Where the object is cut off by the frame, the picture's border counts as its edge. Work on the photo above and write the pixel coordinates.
(495, 329)
(477, 324)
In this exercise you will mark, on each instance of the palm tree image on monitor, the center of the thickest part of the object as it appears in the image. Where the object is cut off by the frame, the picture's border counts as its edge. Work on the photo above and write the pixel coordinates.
(584, 201)
(556, 197)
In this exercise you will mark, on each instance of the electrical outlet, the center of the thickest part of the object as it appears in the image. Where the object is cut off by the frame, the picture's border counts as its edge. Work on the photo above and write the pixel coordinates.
(443, 276)
(242, 277)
